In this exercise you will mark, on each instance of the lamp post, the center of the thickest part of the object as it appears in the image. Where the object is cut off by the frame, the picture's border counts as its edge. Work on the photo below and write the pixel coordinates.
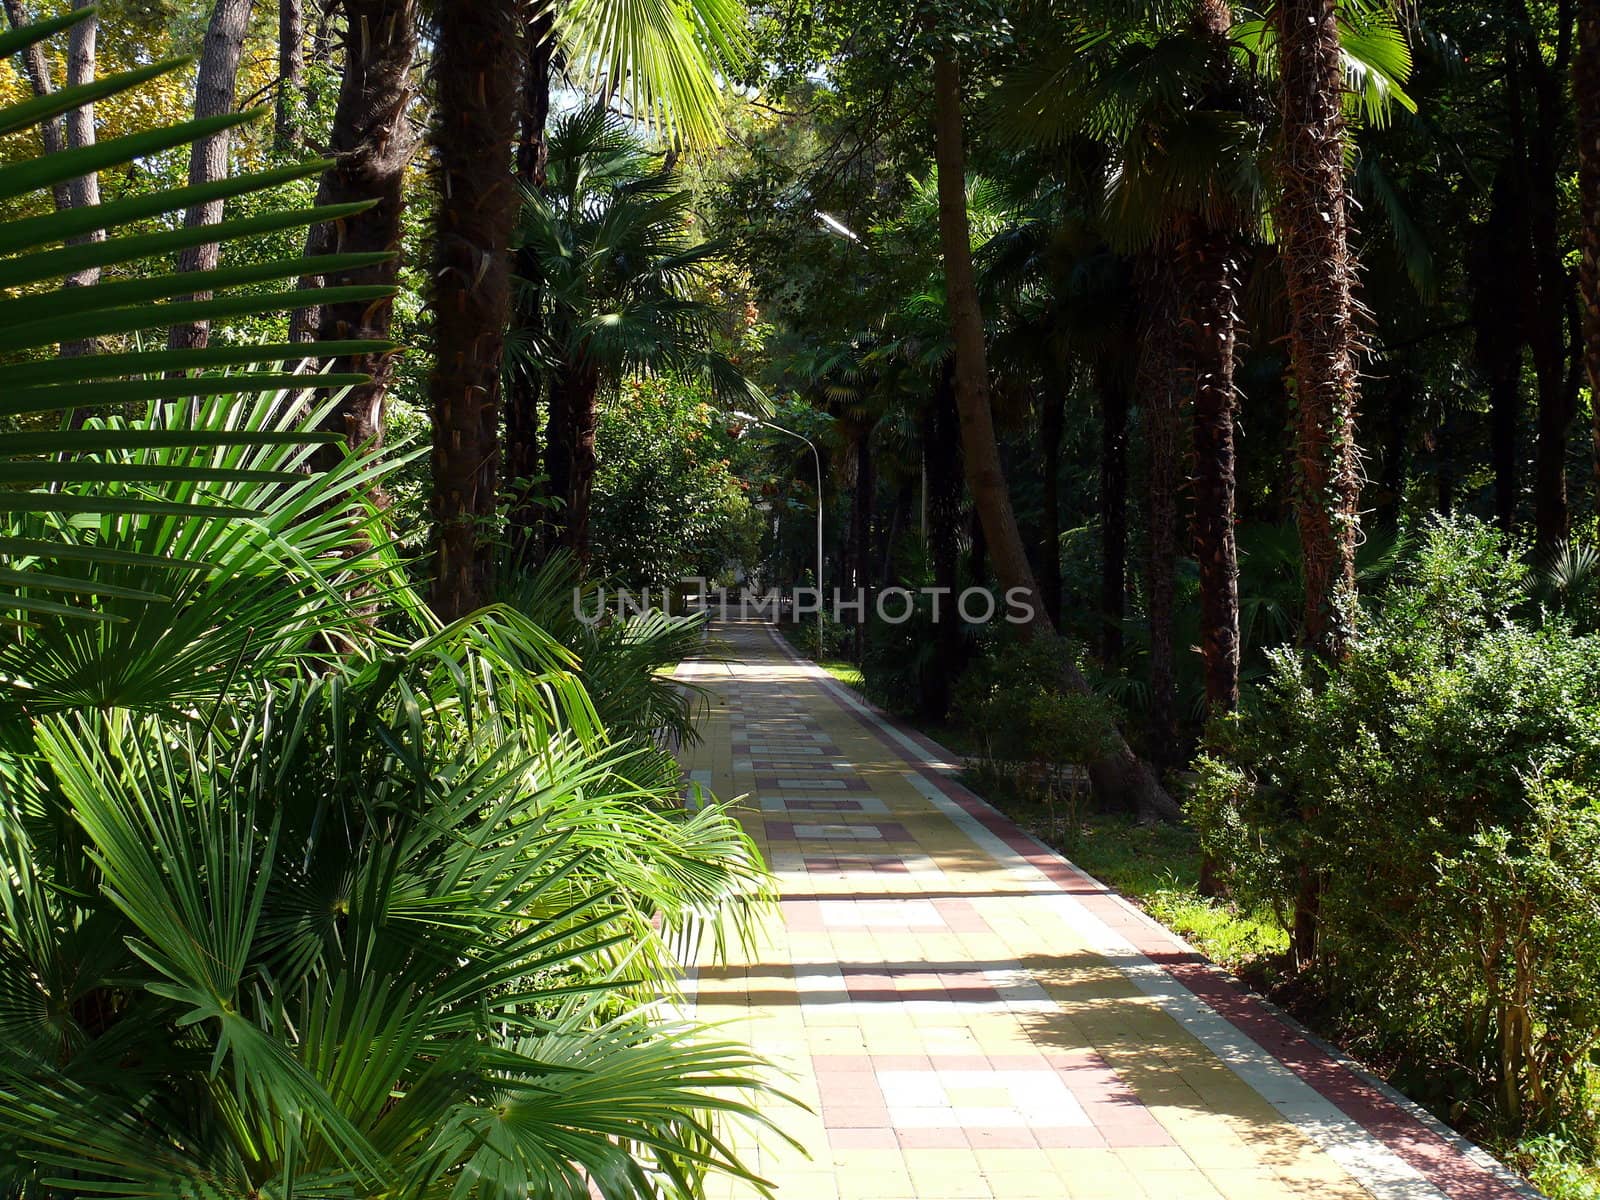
(817, 459)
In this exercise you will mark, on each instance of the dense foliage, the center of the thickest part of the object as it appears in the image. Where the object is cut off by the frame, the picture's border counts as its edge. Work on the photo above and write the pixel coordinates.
(1440, 789)
(308, 891)
(669, 503)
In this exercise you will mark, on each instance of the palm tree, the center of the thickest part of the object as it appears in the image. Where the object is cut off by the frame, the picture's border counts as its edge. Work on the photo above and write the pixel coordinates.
(1314, 240)
(609, 237)
(1586, 91)
(341, 940)
(476, 67)
(657, 58)
(1178, 122)
(298, 902)
(372, 146)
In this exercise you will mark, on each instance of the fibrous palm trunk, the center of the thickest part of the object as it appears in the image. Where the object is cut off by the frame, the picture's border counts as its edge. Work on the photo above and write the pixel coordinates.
(1313, 232)
(1052, 421)
(1586, 92)
(569, 451)
(371, 145)
(1113, 389)
(528, 501)
(1119, 775)
(215, 80)
(1538, 135)
(941, 451)
(1494, 271)
(1162, 365)
(1210, 266)
(1313, 229)
(476, 69)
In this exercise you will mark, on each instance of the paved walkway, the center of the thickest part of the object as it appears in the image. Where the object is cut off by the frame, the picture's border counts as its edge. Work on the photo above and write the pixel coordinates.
(970, 1016)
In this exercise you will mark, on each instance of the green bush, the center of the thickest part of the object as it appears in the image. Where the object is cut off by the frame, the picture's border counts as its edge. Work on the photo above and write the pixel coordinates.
(1436, 790)
(667, 501)
(1014, 703)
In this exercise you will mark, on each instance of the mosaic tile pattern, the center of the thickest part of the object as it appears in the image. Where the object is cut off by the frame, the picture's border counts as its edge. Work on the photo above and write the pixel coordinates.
(967, 1016)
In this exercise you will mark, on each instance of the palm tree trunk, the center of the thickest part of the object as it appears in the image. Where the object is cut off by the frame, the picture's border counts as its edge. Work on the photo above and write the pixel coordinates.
(1586, 91)
(291, 74)
(861, 528)
(1494, 273)
(1313, 224)
(528, 502)
(1113, 391)
(1210, 259)
(1547, 301)
(215, 81)
(1162, 364)
(941, 449)
(1119, 776)
(476, 67)
(1052, 420)
(579, 387)
(371, 145)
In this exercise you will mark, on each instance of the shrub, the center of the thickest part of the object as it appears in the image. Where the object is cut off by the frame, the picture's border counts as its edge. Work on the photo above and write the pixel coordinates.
(1437, 788)
(1033, 738)
(667, 501)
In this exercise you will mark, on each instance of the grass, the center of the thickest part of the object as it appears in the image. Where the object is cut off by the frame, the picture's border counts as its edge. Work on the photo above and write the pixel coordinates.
(845, 672)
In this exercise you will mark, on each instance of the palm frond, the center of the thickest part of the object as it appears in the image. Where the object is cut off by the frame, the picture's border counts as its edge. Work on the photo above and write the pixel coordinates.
(61, 473)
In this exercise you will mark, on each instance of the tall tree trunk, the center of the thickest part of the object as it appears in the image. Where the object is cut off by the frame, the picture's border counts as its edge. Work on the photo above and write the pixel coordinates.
(861, 528)
(1162, 366)
(1119, 776)
(889, 534)
(215, 81)
(371, 145)
(476, 69)
(1052, 422)
(1313, 234)
(291, 75)
(1495, 267)
(574, 399)
(79, 122)
(1210, 259)
(529, 502)
(78, 128)
(1112, 385)
(941, 449)
(862, 511)
(1586, 91)
(1547, 307)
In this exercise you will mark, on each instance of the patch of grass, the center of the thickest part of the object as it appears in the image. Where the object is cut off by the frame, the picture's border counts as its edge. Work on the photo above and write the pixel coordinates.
(845, 672)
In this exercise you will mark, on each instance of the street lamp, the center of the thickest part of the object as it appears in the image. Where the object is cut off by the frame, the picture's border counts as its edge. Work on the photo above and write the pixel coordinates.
(751, 419)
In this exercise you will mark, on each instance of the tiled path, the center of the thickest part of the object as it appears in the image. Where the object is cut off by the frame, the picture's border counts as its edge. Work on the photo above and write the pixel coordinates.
(968, 1015)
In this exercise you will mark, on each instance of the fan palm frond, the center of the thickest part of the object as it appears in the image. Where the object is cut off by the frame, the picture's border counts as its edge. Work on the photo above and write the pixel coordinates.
(41, 466)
